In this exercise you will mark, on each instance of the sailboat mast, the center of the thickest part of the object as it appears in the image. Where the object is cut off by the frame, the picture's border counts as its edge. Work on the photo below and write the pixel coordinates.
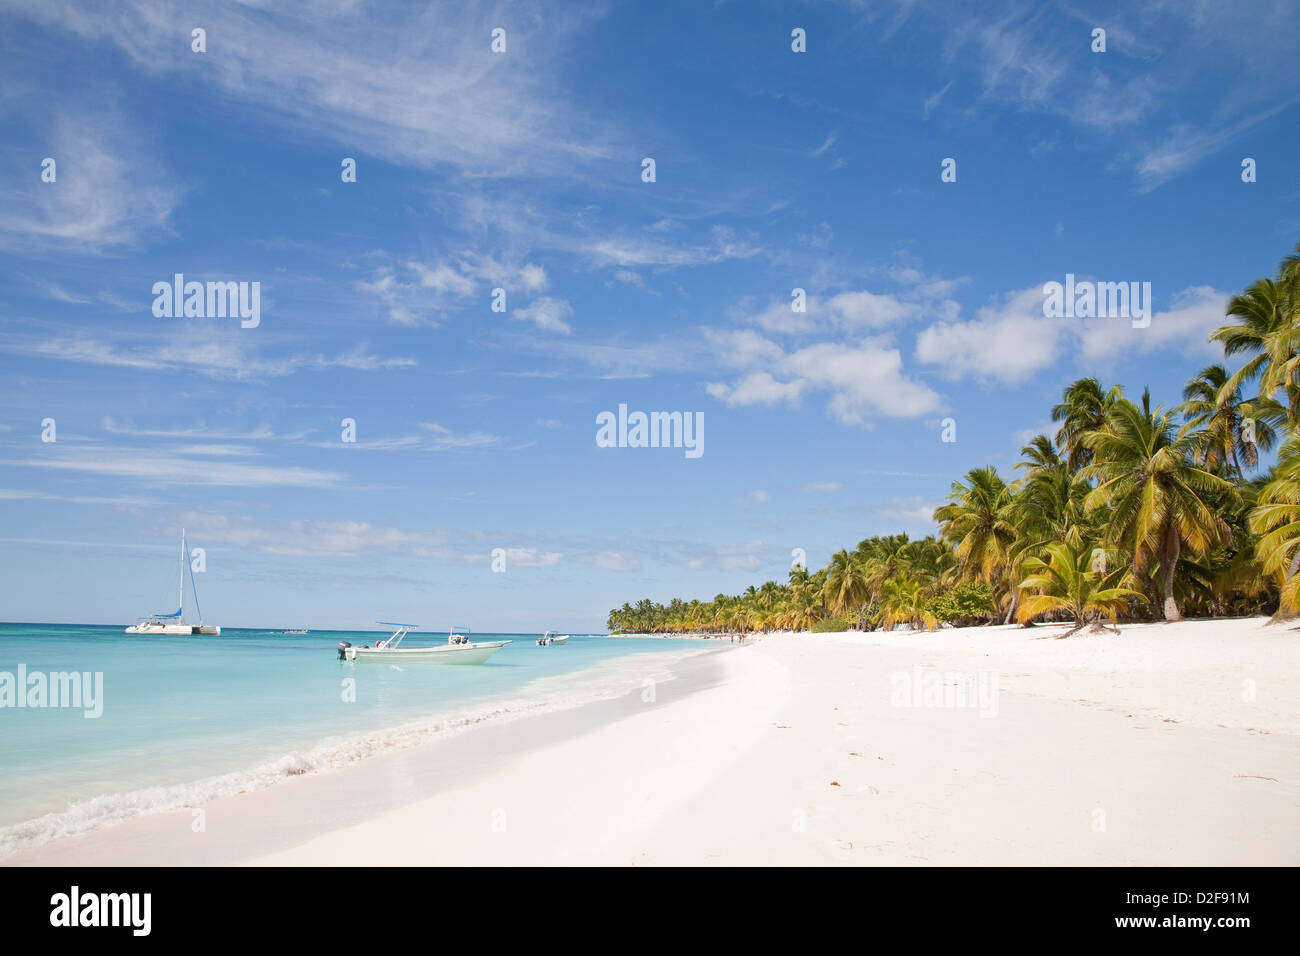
(194, 589)
(180, 601)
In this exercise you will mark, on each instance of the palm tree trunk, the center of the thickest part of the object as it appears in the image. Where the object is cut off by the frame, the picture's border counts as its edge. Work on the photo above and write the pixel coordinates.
(1168, 567)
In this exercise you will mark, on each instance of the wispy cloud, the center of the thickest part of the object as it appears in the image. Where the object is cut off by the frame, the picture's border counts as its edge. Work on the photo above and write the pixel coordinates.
(546, 313)
(201, 431)
(419, 293)
(430, 437)
(110, 190)
(232, 357)
(822, 487)
(155, 468)
(362, 75)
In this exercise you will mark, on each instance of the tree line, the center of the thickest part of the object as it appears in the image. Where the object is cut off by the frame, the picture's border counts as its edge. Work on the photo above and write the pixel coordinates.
(1128, 512)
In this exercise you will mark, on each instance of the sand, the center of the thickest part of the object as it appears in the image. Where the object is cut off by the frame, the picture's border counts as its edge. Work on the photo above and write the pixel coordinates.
(1164, 745)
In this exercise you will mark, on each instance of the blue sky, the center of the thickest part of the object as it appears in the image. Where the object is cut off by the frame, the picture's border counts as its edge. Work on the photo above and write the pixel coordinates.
(522, 170)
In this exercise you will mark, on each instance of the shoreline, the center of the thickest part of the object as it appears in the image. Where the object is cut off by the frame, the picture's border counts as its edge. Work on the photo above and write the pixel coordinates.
(301, 805)
(1166, 745)
(572, 691)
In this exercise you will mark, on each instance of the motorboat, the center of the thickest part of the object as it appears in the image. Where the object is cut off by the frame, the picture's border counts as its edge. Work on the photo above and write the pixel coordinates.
(459, 649)
(162, 623)
(550, 637)
(295, 630)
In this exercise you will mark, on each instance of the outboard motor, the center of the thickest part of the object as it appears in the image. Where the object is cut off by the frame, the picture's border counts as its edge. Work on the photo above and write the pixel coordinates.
(343, 650)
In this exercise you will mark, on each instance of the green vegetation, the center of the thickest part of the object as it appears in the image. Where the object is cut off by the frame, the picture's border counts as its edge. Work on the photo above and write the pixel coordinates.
(1126, 513)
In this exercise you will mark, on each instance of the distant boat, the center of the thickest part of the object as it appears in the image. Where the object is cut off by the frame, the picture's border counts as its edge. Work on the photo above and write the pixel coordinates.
(296, 630)
(459, 649)
(165, 624)
(550, 637)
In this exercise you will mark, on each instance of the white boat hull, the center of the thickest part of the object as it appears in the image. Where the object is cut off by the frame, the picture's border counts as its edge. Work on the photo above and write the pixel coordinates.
(176, 630)
(448, 654)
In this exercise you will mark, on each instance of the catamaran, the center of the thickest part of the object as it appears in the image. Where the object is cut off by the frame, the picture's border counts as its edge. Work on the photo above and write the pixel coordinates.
(459, 649)
(550, 637)
(170, 624)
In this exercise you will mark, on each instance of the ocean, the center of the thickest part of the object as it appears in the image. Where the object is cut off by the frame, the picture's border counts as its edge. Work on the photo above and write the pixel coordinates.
(185, 719)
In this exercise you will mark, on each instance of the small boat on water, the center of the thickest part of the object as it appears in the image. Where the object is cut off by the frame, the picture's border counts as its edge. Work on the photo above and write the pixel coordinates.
(459, 649)
(296, 630)
(162, 623)
(550, 637)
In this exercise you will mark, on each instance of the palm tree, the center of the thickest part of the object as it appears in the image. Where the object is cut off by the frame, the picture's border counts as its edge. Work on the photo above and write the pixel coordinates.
(978, 519)
(904, 601)
(1082, 409)
(1152, 495)
(1268, 331)
(1069, 581)
(804, 610)
(1224, 440)
(847, 584)
(1276, 518)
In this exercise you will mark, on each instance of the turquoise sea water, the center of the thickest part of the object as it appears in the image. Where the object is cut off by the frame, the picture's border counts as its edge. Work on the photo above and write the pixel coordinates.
(189, 718)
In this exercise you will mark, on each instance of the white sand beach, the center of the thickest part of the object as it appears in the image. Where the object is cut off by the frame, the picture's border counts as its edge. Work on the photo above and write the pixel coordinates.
(1165, 745)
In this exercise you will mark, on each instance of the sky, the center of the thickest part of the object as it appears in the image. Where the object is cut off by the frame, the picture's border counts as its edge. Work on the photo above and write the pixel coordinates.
(523, 169)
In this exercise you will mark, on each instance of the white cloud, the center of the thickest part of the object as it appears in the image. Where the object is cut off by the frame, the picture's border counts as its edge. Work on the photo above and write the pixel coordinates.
(110, 190)
(521, 558)
(741, 557)
(639, 251)
(1185, 328)
(824, 487)
(431, 437)
(547, 313)
(1008, 341)
(310, 538)
(757, 388)
(219, 451)
(445, 438)
(418, 293)
(845, 312)
(613, 560)
(865, 381)
(364, 76)
(156, 468)
(1156, 98)
(196, 349)
(204, 432)
(744, 347)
